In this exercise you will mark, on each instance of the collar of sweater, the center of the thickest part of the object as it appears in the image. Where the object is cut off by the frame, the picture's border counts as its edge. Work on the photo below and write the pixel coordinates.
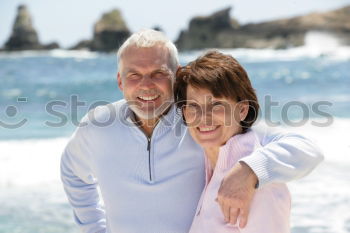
(170, 120)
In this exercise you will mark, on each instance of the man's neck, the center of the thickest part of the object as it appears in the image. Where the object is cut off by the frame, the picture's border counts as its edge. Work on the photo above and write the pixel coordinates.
(148, 125)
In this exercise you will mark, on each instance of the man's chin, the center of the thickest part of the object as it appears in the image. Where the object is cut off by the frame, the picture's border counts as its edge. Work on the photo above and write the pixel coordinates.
(148, 114)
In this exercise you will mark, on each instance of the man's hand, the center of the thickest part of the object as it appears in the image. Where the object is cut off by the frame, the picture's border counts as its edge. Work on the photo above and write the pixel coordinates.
(236, 193)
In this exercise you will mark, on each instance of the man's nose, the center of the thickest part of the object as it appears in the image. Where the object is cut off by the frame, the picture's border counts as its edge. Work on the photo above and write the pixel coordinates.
(146, 81)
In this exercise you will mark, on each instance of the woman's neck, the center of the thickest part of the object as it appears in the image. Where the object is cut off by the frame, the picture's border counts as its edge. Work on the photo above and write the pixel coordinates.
(212, 154)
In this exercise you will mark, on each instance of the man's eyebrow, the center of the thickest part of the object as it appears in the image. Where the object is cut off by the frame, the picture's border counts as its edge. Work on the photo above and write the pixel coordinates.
(163, 69)
(129, 70)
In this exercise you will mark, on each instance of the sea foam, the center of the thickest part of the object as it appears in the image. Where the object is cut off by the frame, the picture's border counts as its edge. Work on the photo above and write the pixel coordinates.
(36, 161)
(320, 200)
(317, 45)
(57, 53)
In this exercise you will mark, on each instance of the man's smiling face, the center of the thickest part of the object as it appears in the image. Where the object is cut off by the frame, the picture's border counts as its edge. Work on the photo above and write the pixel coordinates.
(146, 79)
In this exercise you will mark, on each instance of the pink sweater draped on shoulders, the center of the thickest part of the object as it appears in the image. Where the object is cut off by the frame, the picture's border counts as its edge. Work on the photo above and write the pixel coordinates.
(270, 208)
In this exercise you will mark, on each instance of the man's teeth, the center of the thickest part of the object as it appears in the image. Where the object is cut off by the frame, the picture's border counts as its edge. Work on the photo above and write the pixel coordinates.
(204, 129)
(149, 97)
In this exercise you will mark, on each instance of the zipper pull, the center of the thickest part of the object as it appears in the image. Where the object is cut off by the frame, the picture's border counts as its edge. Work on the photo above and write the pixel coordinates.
(148, 144)
(149, 158)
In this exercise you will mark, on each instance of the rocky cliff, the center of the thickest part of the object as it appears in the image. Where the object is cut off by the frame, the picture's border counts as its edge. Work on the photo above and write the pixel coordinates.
(24, 36)
(109, 33)
(220, 31)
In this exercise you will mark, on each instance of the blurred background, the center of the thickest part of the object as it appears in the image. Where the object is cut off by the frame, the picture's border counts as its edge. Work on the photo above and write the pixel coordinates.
(58, 60)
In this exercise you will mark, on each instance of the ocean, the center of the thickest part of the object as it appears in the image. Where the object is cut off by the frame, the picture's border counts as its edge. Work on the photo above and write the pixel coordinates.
(44, 94)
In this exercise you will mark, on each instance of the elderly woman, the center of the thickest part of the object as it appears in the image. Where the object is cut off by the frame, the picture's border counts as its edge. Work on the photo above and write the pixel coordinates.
(219, 105)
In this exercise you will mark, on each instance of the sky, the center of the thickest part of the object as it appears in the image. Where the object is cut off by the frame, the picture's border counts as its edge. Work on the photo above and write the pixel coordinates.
(69, 21)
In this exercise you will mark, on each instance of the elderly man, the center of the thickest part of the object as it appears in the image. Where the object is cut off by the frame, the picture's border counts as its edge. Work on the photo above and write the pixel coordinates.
(149, 170)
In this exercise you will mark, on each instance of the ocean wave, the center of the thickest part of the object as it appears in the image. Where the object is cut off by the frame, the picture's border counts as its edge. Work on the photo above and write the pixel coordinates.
(10, 93)
(57, 53)
(83, 54)
(333, 140)
(30, 162)
(32, 167)
(317, 45)
(341, 53)
(33, 161)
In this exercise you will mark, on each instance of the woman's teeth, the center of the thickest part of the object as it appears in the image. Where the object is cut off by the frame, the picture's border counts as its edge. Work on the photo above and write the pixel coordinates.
(206, 129)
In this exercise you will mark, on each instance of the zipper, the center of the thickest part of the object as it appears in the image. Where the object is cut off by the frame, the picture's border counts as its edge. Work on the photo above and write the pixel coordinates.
(148, 149)
(149, 157)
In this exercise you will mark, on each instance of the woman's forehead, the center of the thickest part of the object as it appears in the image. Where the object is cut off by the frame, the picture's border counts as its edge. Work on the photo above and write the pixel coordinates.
(201, 94)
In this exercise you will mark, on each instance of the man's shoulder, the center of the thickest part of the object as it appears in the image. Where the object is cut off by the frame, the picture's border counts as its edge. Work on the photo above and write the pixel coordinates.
(99, 121)
(110, 108)
(105, 115)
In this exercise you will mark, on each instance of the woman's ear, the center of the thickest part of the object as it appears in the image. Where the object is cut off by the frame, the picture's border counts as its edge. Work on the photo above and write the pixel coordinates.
(120, 83)
(243, 109)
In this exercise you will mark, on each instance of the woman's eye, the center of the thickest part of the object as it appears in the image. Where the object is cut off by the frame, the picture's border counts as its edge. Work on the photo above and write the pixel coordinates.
(193, 107)
(217, 104)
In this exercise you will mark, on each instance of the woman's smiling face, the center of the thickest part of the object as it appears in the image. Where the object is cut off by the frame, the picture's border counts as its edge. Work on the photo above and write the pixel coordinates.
(211, 120)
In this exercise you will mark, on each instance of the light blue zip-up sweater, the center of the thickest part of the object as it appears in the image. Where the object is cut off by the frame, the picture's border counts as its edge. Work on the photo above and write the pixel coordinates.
(152, 185)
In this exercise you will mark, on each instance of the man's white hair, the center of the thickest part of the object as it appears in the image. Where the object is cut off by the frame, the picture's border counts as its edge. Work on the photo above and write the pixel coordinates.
(148, 38)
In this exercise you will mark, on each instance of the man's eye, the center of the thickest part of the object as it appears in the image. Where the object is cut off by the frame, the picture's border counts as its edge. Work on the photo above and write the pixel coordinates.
(134, 76)
(159, 74)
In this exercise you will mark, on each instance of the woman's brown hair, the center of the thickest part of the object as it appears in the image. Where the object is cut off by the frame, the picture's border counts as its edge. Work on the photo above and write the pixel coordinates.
(223, 76)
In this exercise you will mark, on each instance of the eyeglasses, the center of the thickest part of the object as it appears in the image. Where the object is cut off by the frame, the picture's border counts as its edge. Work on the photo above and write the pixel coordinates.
(214, 108)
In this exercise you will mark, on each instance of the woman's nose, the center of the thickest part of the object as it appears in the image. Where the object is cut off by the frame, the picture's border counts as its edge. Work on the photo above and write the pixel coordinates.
(207, 116)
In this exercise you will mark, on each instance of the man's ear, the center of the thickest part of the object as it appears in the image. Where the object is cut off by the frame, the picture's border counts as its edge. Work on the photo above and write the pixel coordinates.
(120, 83)
(244, 109)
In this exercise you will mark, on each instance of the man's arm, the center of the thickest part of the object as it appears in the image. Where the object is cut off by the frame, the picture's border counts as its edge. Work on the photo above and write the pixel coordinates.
(80, 185)
(283, 157)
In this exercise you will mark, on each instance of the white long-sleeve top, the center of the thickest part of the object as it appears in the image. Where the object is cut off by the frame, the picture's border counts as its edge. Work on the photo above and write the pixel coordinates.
(153, 185)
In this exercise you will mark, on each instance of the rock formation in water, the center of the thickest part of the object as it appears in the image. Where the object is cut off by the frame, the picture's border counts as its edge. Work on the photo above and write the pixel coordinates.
(220, 31)
(158, 28)
(24, 36)
(109, 33)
